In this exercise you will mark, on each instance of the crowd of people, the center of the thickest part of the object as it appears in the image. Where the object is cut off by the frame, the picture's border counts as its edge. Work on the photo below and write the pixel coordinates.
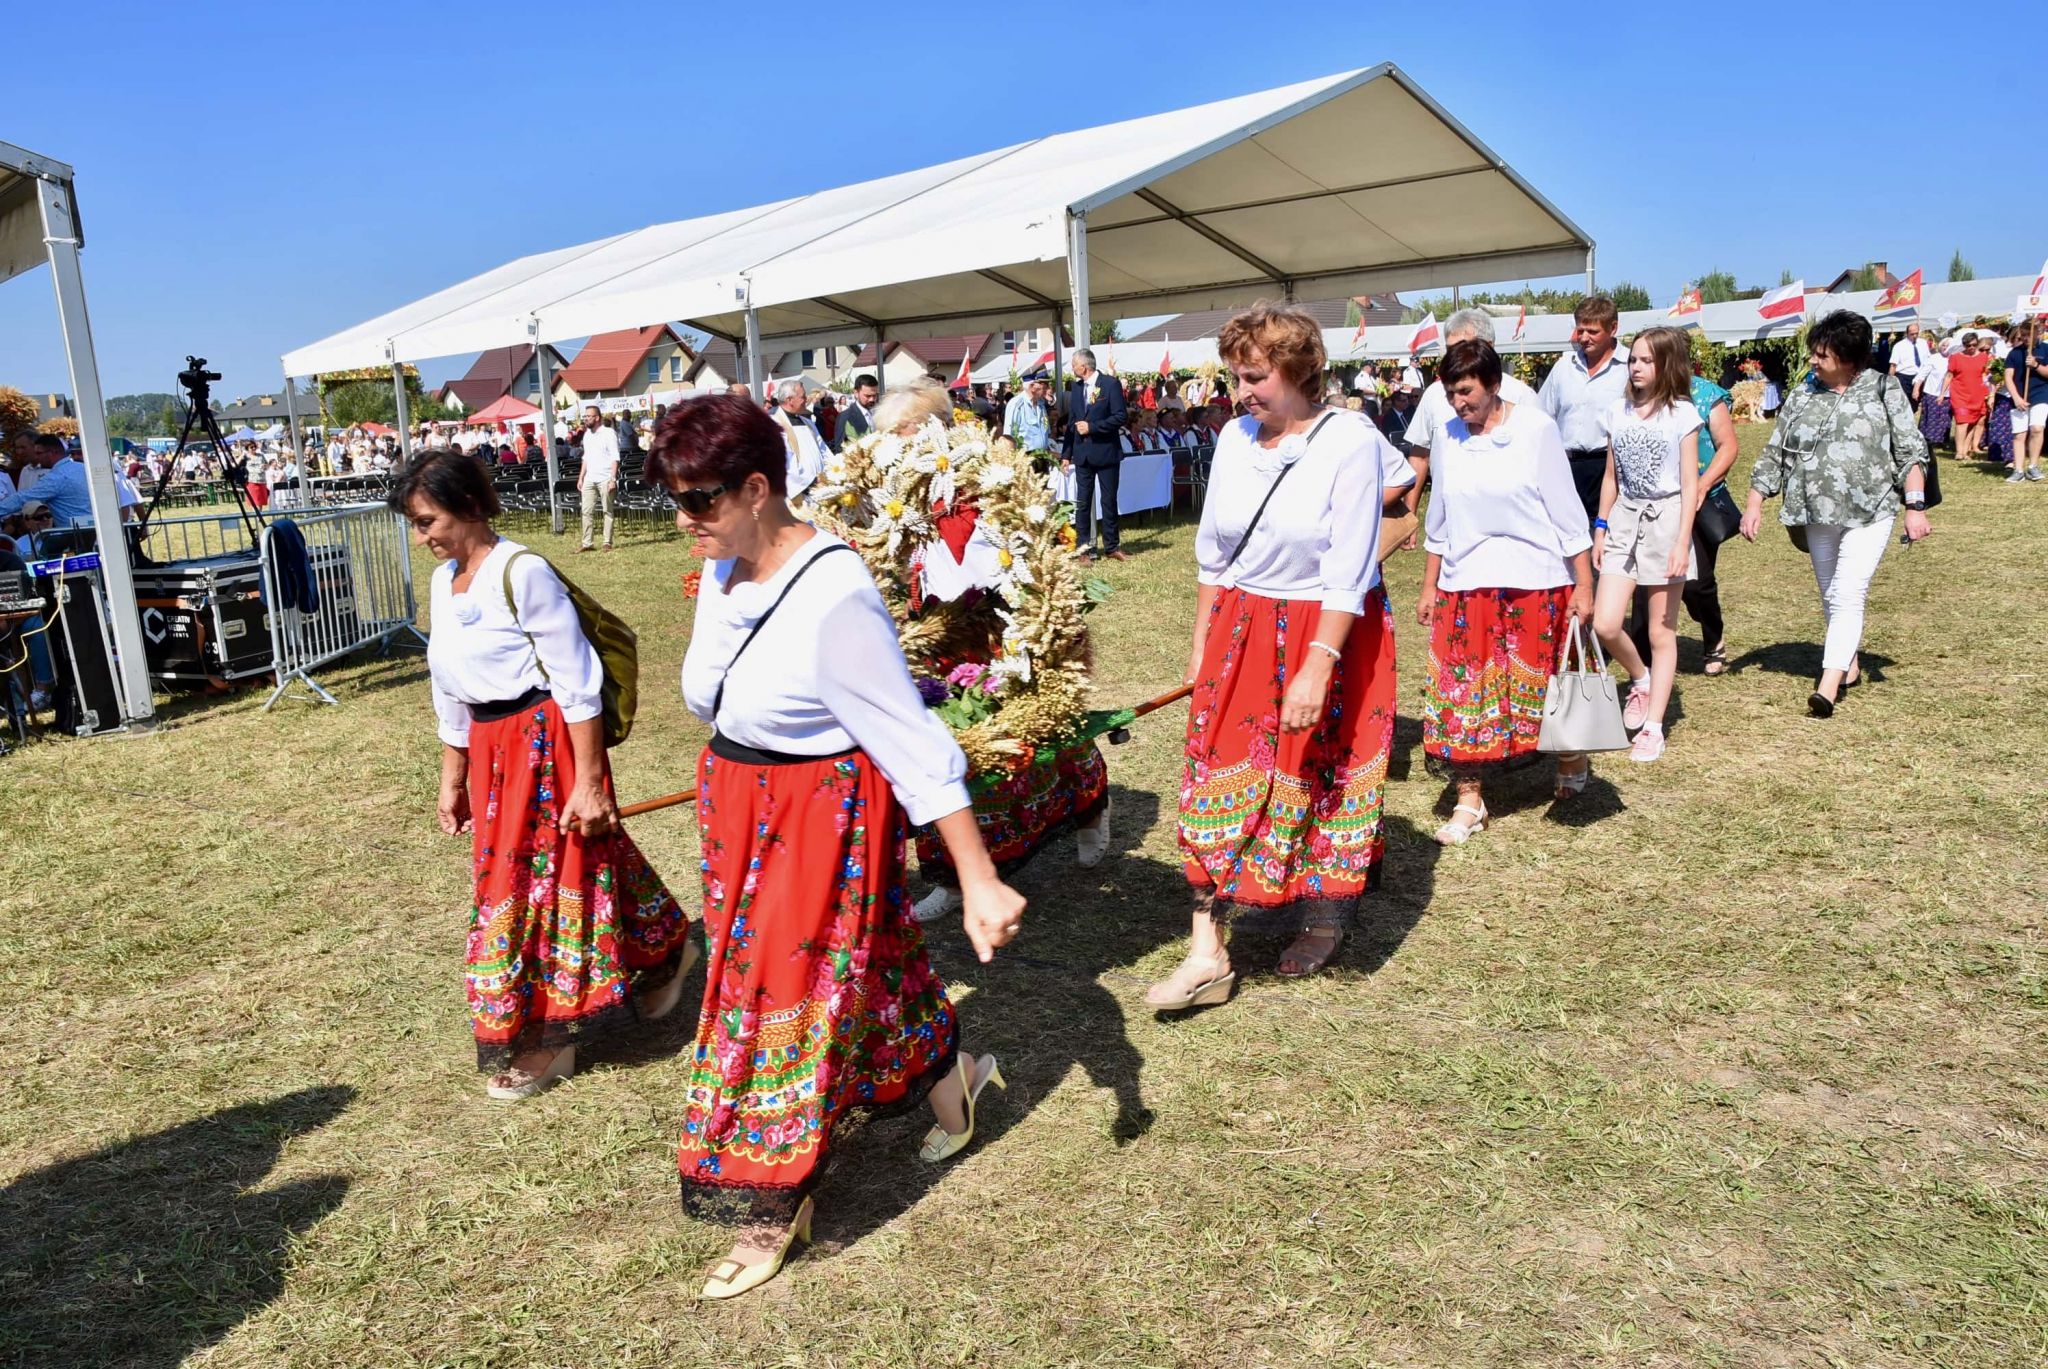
(1552, 515)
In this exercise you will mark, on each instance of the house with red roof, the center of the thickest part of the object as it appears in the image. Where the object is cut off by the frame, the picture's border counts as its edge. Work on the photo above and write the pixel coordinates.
(625, 364)
(499, 372)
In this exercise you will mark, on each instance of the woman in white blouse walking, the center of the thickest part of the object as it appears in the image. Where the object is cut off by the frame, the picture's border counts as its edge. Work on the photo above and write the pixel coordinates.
(818, 998)
(1292, 719)
(1509, 562)
(571, 934)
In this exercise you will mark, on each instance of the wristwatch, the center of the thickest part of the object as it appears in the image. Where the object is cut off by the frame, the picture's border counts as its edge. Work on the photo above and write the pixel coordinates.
(1917, 501)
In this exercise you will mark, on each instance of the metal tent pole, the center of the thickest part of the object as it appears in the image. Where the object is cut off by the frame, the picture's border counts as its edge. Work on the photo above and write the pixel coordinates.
(404, 410)
(1077, 274)
(754, 352)
(881, 380)
(60, 240)
(547, 430)
(291, 412)
(1059, 373)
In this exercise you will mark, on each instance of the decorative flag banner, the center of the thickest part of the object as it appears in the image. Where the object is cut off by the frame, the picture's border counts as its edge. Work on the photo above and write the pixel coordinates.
(1688, 302)
(2041, 281)
(1903, 294)
(1364, 304)
(1427, 335)
(1166, 361)
(964, 379)
(1787, 301)
(1521, 322)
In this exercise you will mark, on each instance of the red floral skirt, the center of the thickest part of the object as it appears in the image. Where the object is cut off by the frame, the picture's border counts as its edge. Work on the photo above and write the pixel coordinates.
(565, 929)
(818, 998)
(1284, 827)
(1491, 655)
(1024, 809)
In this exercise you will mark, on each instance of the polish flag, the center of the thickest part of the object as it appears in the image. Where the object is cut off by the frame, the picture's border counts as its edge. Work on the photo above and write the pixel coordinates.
(1688, 302)
(1521, 322)
(1166, 361)
(966, 377)
(1364, 304)
(1787, 301)
(1903, 295)
(2041, 281)
(1427, 335)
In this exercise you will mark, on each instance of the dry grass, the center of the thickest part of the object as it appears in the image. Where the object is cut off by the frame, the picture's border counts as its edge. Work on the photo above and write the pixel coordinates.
(1740, 1065)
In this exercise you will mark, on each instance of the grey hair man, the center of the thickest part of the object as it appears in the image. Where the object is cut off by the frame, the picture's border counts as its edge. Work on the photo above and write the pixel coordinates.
(800, 435)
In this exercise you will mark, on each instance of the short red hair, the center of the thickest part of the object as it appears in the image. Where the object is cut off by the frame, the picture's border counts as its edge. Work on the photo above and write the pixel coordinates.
(1286, 337)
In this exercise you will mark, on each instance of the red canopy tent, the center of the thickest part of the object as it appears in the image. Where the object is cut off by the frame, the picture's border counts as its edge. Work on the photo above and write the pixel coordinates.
(504, 409)
(379, 429)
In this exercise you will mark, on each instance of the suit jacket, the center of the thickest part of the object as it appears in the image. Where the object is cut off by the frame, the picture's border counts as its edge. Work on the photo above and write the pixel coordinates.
(853, 422)
(1102, 445)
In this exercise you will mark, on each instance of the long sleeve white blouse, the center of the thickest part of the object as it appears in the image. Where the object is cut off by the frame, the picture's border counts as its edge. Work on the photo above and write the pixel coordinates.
(826, 675)
(1319, 537)
(477, 653)
(1503, 513)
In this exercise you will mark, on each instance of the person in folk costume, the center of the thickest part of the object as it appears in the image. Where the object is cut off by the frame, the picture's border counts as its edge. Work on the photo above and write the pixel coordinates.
(1292, 720)
(805, 445)
(818, 998)
(572, 935)
(1020, 813)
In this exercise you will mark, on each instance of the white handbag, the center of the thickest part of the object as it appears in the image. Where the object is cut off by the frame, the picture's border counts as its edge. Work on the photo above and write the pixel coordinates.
(1582, 709)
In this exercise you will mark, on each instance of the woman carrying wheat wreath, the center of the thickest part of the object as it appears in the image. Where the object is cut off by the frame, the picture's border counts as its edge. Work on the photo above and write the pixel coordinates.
(818, 998)
(572, 935)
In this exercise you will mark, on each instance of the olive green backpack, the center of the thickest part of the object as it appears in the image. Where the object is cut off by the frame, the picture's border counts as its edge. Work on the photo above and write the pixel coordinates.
(618, 650)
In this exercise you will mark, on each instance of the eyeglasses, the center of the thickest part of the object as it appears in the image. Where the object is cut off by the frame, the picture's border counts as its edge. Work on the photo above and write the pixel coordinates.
(698, 502)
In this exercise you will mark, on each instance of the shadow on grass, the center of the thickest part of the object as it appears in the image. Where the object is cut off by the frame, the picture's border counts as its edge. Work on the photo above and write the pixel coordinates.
(1802, 660)
(142, 1253)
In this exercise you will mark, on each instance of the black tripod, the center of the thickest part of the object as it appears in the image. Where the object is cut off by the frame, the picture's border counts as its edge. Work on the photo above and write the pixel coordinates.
(197, 381)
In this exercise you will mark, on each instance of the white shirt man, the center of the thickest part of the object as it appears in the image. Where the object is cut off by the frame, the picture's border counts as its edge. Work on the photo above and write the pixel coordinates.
(1910, 359)
(806, 444)
(1584, 385)
(599, 476)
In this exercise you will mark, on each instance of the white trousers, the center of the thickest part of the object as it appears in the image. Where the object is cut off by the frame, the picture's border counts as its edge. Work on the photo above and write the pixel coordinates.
(1844, 563)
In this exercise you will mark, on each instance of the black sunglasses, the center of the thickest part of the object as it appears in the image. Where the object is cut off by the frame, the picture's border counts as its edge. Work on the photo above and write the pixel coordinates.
(698, 502)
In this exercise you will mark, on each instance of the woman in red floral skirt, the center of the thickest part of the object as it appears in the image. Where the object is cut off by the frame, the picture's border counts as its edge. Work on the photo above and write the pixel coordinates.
(1510, 563)
(571, 934)
(818, 999)
(1292, 718)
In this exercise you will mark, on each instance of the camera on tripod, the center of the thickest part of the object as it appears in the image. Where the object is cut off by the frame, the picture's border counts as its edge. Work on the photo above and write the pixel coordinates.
(195, 378)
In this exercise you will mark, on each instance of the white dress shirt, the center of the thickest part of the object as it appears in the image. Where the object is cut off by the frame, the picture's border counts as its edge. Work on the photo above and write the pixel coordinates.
(1434, 409)
(600, 456)
(1909, 357)
(478, 654)
(806, 451)
(1577, 400)
(1504, 514)
(825, 676)
(1319, 537)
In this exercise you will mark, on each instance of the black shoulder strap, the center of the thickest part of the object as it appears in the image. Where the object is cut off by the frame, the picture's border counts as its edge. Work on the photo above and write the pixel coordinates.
(1252, 526)
(718, 700)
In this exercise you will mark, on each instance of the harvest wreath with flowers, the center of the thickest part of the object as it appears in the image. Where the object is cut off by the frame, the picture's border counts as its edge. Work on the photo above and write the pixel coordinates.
(1005, 666)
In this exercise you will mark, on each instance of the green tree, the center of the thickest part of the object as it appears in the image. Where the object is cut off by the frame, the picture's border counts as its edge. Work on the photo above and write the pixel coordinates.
(361, 401)
(1718, 287)
(1103, 330)
(1958, 269)
(1628, 295)
(1785, 277)
(1866, 278)
(428, 409)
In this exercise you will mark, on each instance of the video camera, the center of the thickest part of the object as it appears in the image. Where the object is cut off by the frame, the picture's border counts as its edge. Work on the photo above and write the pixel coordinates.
(195, 378)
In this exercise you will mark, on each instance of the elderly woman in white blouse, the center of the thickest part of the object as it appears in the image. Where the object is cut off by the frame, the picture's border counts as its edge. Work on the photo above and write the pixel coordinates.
(1292, 663)
(1510, 564)
(571, 934)
(818, 998)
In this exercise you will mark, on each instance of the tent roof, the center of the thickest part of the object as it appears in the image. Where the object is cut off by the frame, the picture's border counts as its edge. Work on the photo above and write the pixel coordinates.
(21, 219)
(503, 409)
(1263, 195)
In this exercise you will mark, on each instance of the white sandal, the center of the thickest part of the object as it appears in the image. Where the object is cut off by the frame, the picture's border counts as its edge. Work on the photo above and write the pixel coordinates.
(519, 1084)
(1091, 842)
(1455, 833)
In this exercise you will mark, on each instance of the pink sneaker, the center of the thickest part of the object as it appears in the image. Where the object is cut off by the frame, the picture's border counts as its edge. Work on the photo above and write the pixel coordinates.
(1635, 710)
(1648, 747)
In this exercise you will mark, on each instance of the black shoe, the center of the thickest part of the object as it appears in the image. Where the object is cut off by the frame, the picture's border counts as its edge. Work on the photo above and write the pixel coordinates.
(1820, 705)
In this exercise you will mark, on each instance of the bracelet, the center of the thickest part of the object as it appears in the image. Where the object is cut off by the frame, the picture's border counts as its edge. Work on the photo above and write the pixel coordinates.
(1600, 523)
(1335, 653)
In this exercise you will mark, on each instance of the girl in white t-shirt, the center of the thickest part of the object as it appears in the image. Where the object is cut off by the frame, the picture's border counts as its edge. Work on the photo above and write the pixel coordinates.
(1643, 535)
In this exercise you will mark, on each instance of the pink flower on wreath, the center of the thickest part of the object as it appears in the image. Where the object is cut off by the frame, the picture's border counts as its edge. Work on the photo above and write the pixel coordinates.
(967, 674)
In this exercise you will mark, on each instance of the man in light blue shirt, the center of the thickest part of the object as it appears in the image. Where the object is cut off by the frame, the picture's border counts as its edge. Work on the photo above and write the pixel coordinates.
(1026, 421)
(62, 486)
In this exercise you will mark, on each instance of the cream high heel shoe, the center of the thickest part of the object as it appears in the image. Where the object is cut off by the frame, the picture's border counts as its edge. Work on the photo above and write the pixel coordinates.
(519, 1084)
(1091, 843)
(940, 1144)
(1455, 833)
(663, 1002)
(730, 1278)
(1200, 981)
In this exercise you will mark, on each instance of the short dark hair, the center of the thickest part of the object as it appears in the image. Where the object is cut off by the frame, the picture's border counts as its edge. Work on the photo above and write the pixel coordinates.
(721, 438)
(50, 442)
(859, 381)
(456, 480)
(1473, 358)
(1596, 309)
(1844, 334)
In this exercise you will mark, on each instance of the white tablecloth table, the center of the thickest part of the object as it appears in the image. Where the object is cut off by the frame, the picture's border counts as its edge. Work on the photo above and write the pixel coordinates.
(1147, 483)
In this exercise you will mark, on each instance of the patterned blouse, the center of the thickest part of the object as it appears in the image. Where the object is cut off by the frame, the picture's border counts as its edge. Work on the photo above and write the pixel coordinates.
(1840, 458)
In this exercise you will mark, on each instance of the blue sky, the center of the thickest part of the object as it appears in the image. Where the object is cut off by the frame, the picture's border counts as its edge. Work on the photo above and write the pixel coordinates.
(254, 177)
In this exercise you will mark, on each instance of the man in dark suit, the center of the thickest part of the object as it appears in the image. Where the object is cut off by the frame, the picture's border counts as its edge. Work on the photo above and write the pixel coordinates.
(1093, 446)
(858, 417)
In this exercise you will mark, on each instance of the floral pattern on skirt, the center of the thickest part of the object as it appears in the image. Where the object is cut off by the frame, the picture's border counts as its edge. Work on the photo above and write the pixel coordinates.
(1934, 419)
(1020, 812)
(1283, 829)
(1491, 655)
(564, 929)
(1998, 432)
(818, 998)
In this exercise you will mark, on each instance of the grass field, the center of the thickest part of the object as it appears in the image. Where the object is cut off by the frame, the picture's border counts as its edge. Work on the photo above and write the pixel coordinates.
(1740, 1062)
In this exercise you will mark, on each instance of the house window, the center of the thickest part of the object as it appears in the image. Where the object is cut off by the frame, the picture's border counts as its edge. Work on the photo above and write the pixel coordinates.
(675, 369)
(1009, 342)
(654, 370)
(533, 379)
(810, 358)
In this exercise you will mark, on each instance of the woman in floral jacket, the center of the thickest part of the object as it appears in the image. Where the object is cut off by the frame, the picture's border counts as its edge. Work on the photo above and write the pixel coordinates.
(1845, 455)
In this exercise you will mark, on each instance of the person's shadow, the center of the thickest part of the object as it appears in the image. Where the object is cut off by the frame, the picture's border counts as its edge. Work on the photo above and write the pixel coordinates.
(144, 1252)
(1802, 660)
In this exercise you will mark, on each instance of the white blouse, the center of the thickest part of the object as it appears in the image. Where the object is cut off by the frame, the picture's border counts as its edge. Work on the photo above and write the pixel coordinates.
(825, 676)
(1504, 513)
(477, 654)
(1319, 537)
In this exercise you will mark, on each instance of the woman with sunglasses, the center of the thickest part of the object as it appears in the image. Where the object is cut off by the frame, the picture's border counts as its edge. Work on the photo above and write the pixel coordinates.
(572, 935)
(818, 998)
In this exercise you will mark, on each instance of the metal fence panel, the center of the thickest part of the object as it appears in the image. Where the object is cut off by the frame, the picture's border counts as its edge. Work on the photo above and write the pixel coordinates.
(361, 570)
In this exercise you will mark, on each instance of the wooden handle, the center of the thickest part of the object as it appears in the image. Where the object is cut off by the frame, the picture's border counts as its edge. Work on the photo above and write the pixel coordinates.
(633, 810)
(1170, 696)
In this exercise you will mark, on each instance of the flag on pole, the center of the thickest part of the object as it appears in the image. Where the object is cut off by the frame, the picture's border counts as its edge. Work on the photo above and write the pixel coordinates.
(1688, 302)
(1427, 335)
(1364, 303)
(1787, 301)
(1521, 323)
(1166, 361)
(2041, 281)
(965, 378)
(1903, 294)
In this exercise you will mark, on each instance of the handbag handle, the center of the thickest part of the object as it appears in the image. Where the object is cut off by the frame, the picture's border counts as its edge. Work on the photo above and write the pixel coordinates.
(1579, 637)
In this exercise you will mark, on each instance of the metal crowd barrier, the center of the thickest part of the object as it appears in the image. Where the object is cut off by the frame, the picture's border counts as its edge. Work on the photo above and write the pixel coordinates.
(358, 561)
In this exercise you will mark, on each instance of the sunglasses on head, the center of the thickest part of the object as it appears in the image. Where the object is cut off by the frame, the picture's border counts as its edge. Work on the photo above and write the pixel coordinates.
(699, 501)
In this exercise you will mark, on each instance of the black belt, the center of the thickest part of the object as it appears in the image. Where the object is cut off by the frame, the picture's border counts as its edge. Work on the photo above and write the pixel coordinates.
(498, 712)
(1586, 453)
(726, 749)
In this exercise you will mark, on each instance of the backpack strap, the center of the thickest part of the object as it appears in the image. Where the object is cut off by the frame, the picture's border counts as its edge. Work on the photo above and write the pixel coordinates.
(1271, 490)
(718, 700)
(512, 603)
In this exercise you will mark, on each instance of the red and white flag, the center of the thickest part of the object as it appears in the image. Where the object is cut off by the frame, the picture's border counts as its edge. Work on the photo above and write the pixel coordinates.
(1521, 323)
(1427, 335)
(1904, 294)
(1166, 361)
(966, 376)
(1787, 301)
(1364, 303)
(1688, 302)
(2041, 281)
